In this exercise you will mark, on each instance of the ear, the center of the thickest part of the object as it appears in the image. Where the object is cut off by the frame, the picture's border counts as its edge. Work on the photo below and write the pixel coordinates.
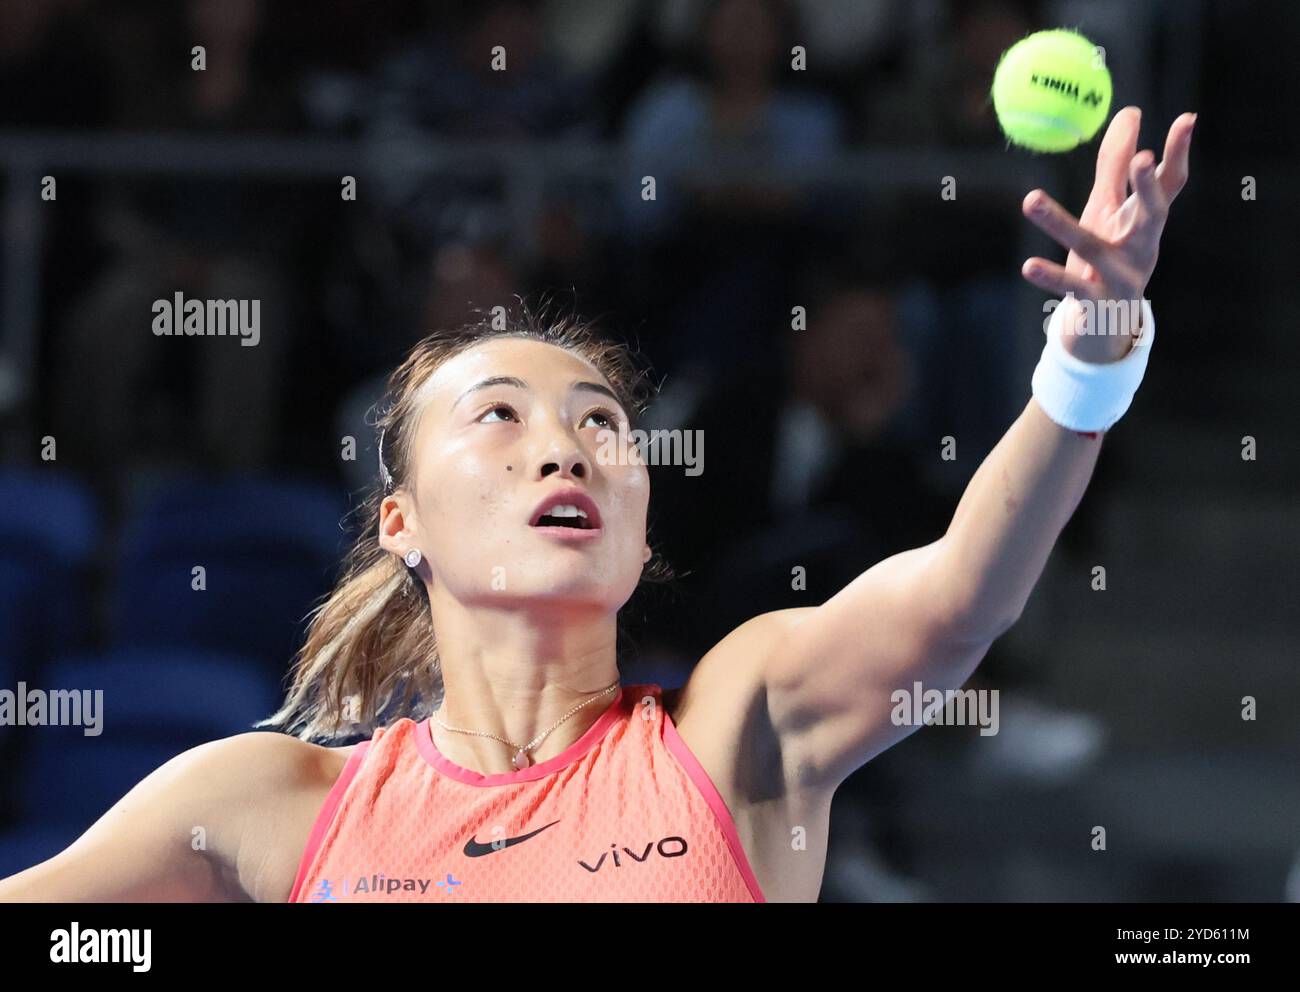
(397, 524)
(646, 554)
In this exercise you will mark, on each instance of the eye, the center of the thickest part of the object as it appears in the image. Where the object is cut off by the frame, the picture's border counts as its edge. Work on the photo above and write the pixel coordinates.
(497, 409)
(611, 420)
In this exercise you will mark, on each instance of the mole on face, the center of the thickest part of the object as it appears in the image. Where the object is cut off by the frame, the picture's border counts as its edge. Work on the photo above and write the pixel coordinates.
(510, 468)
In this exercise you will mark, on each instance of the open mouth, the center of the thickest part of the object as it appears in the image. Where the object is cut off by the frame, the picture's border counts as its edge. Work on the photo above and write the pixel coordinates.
(569, 509)
(566, 516)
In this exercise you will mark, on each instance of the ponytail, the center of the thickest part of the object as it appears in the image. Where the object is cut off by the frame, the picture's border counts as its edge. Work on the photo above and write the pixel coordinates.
(369, 650)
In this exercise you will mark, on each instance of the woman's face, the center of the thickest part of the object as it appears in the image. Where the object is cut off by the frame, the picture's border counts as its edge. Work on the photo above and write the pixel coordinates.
(506, 425)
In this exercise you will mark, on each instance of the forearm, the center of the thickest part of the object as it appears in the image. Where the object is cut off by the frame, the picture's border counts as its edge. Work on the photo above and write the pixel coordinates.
(1007, 521)
(1022, 496)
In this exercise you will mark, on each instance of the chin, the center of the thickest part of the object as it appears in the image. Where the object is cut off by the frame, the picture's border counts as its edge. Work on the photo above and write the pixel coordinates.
(573, 601)
(578, 588)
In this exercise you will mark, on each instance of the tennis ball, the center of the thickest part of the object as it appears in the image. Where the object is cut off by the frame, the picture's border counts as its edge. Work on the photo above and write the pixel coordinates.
(1051, 91)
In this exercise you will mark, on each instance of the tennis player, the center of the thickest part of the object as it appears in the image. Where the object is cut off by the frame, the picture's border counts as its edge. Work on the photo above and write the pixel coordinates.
(471, 643)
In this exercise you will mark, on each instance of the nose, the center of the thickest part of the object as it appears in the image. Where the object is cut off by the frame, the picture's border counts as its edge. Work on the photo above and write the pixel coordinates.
(565, 457)
(570, 466)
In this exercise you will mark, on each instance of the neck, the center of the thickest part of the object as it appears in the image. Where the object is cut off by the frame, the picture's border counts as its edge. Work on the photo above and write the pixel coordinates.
(514, 673)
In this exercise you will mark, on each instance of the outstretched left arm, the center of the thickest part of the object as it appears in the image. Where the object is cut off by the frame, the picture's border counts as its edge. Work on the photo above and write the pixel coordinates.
(930, 614)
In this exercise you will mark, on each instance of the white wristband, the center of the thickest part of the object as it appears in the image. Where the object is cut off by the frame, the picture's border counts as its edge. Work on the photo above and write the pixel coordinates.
(1089, 396)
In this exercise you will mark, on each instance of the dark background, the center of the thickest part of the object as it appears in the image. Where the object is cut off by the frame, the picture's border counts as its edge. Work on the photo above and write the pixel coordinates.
(129, 458)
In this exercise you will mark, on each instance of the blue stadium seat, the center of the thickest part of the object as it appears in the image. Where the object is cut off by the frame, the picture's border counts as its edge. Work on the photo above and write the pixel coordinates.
(155, 705)
(49, 532)
(23, 610)
(22, 848)
(48, 511)
(268, 548)
(24, 637)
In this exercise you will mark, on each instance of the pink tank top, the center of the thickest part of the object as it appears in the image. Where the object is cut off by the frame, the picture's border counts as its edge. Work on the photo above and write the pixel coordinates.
(624, 814)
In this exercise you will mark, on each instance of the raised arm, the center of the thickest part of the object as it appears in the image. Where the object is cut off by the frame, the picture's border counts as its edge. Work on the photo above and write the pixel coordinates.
(929, 615)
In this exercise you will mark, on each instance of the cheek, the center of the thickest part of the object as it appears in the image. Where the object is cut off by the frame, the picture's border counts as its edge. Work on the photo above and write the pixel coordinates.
(630, 501)
(466, 493)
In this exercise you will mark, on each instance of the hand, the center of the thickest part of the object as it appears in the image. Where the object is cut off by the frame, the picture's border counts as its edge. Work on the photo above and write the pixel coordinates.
(1116, 240)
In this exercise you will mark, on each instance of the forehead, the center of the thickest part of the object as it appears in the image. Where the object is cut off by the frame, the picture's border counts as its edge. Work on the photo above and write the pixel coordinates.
(539, 363)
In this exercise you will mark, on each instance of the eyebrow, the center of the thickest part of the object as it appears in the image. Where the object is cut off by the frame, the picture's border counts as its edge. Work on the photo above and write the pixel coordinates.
(510, 380)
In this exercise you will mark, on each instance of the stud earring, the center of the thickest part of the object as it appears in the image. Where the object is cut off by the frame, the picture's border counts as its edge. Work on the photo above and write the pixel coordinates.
(413, 557)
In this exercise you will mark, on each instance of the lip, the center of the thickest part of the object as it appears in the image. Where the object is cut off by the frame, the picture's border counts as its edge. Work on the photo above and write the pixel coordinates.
(572, 496)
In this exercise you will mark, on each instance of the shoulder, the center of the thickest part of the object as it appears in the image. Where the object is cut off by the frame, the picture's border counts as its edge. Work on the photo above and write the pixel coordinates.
(261, 762)
(739, 660)
(722, 710)
(244, 781)
(263, 791)
(223, 821)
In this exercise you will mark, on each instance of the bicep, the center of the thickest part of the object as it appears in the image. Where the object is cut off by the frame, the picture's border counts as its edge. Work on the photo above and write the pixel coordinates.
(831, 682)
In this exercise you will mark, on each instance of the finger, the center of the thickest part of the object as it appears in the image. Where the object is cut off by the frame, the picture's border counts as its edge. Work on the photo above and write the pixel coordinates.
(1152, 207)
(1173, 169)
(1053, 278)
(1054, 219)
(1117, 148)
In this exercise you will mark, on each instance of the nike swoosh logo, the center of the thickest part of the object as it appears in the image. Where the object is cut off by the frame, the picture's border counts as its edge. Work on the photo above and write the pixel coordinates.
(473, 849)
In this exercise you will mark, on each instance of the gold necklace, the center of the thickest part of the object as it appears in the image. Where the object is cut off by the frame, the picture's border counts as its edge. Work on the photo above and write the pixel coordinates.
(521, 759)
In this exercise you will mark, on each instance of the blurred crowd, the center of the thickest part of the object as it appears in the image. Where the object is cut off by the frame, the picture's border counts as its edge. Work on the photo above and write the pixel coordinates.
(667, 82)
(703, 278)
